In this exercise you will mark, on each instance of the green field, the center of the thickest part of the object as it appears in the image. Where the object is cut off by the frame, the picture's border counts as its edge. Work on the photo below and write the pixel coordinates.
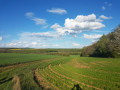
(58, 72)
(13, 58)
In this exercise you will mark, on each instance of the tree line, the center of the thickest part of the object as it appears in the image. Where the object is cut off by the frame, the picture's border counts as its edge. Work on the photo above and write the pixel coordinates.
(107, 46)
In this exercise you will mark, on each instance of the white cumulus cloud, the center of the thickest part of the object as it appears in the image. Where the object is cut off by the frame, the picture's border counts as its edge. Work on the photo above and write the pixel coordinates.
(92, 36)
(57, 10)
(82, 22)
(105, 17)
(79, 24)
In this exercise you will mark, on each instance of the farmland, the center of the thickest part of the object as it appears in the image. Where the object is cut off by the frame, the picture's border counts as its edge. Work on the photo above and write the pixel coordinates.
(37, 72)
(13, 58)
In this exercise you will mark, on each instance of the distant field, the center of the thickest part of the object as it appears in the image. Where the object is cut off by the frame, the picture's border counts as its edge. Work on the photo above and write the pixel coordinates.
(12, 58)
(62, 52)
(61, 73)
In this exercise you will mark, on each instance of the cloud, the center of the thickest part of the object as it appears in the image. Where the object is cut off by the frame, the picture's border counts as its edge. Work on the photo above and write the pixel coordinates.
(38, 21)
(15, 44)
(61, 30)
(76, 44)
(34, 43)
(82, 22)
(29, 14)
(24, 44)
(40, 35)
(92, 36)
(0, 38)
(57, 11)
(79, 24)
(105, 17)
(103, 8)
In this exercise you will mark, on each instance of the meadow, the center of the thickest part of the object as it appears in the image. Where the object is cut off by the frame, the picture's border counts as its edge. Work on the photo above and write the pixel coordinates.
(51, 72)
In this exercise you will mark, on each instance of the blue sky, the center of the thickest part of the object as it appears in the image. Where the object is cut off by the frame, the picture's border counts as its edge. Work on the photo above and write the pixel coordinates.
(56, 23)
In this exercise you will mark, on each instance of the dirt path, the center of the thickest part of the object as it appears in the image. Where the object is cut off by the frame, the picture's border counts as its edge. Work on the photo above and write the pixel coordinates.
(16, 81)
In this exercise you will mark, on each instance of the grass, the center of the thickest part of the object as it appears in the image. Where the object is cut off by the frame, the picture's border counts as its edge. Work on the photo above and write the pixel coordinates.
(63, 73)
(13, 58)
(89, 73)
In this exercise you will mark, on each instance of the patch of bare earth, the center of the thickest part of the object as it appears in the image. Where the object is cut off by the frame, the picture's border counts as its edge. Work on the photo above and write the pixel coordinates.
(16, 81)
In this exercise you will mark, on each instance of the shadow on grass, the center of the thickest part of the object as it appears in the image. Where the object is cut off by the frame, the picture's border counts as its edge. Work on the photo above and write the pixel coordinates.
(5, 80)
(76, 87)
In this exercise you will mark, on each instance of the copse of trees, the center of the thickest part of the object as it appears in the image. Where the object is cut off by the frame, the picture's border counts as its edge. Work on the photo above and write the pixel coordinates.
(107, 46)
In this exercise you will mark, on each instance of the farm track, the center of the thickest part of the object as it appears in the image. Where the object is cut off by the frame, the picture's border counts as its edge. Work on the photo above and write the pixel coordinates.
(16, 81)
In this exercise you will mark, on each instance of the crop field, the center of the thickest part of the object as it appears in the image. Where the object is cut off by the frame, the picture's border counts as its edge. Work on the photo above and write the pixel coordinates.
(13, 58)
(47, 72)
